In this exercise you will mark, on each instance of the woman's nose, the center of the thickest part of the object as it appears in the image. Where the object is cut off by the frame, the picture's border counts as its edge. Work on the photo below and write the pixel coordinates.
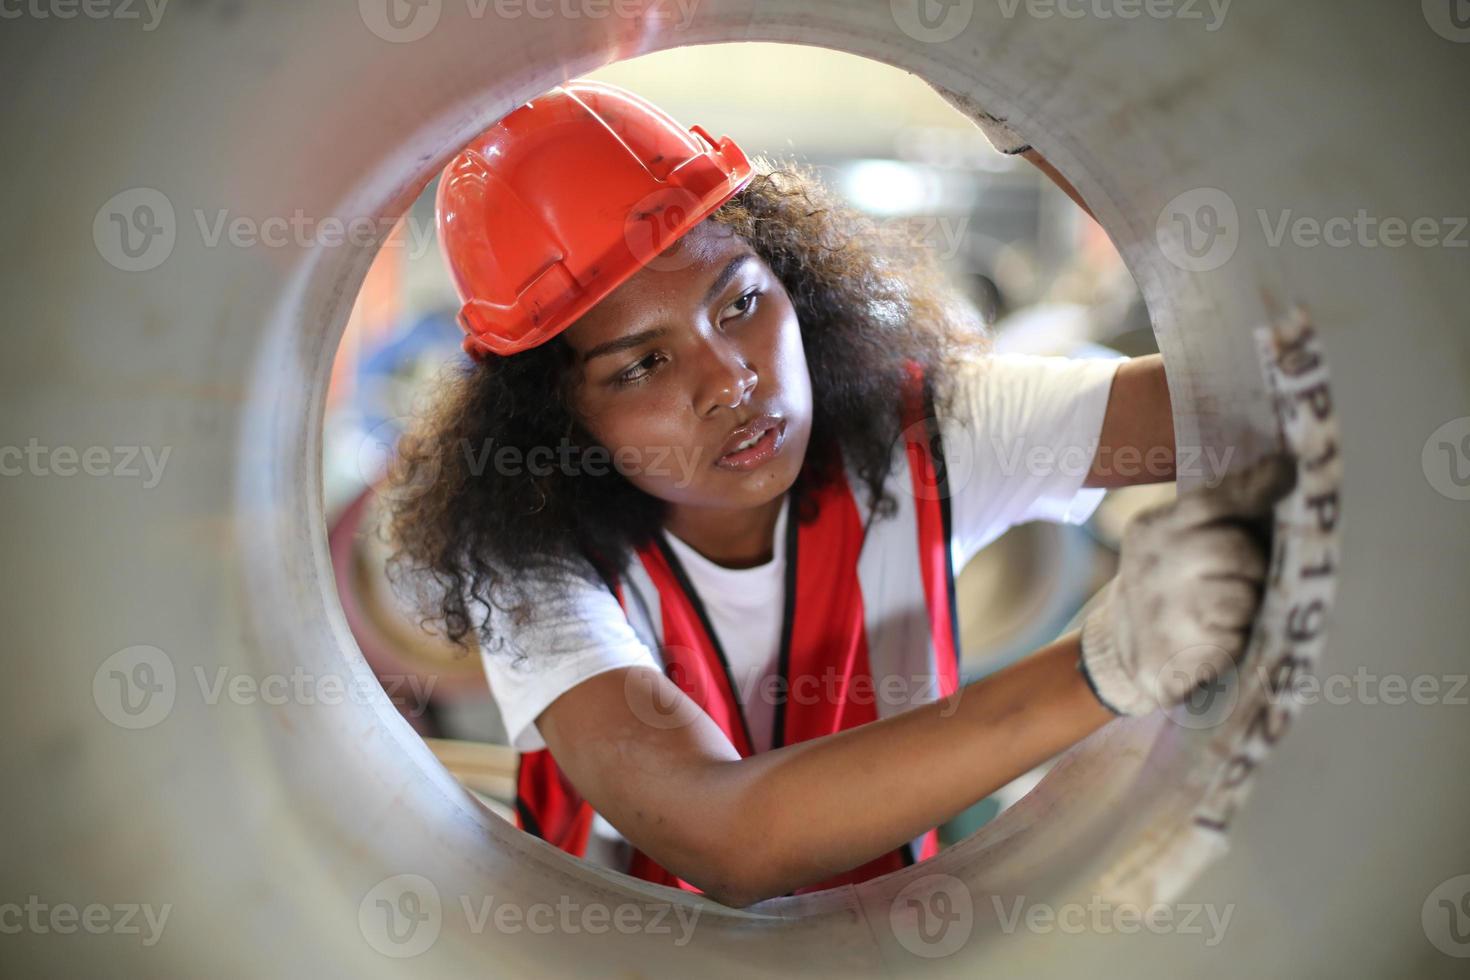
(728, 380)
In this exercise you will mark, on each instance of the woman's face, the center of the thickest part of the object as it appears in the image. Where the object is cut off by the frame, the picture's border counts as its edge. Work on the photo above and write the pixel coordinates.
(692, 374)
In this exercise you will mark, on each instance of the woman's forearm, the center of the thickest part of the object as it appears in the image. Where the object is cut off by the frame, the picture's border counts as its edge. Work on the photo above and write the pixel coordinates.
(820, 807)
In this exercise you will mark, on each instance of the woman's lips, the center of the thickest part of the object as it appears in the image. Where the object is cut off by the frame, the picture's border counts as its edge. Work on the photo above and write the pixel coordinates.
(768, 432)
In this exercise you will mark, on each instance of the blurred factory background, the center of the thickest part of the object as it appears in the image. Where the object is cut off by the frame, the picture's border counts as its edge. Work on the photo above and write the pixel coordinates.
(1037, 268)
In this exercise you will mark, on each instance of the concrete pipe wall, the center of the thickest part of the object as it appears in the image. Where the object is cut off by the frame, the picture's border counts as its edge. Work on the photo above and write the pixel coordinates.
(312, 835)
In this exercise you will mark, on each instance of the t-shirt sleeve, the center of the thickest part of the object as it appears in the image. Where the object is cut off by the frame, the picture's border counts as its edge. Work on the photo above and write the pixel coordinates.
(574, 629)
(1019, 437)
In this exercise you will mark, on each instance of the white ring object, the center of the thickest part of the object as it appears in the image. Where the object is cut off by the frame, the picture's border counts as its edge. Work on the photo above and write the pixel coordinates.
(309, 838)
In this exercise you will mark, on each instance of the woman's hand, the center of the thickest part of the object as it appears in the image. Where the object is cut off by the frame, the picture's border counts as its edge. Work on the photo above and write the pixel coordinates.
(1187, 589)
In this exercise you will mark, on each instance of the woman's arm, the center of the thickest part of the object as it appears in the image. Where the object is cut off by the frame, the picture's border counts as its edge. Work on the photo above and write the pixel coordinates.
(747, 829)
(1136, 444)
(662, 772)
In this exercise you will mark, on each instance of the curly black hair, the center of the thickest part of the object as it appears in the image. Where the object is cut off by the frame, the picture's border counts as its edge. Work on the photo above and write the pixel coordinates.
(870, 300)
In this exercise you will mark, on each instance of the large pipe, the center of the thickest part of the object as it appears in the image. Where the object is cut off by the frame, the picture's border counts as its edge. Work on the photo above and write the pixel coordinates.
(323, 839)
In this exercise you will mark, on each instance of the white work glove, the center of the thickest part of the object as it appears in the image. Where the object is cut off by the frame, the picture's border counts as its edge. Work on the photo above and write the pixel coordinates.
(1189, 581)
(1001, 136)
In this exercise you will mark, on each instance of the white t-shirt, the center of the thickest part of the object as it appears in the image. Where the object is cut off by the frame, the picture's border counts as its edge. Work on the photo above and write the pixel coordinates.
(1021, 435)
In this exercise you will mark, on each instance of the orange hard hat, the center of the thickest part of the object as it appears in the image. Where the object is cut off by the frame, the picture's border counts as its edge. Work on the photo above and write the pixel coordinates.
(551, 208)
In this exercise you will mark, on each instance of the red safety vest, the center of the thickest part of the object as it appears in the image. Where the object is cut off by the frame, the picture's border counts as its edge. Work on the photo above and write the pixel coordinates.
(823, 636)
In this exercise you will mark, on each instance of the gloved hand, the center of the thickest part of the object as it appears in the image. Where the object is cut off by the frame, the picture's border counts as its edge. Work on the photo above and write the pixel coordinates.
(1189, 581)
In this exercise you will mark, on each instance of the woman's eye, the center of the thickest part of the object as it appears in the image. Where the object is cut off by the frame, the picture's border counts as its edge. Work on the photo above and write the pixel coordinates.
(744, 306)
(640, 370)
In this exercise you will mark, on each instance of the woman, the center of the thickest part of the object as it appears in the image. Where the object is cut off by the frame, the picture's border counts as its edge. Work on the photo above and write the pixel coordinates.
(701, 496)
